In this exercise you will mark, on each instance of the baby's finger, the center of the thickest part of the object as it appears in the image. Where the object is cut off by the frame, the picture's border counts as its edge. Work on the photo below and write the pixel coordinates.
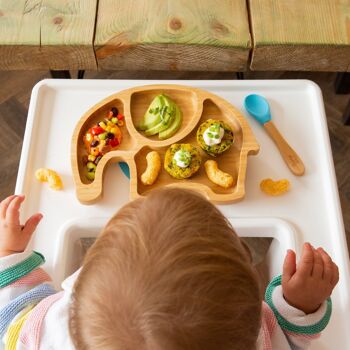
(289, 265)
(31, 224)
(318, 268)
(12, 212)
(307, 260)
(335, 275)
(327, 264)
(4, 205)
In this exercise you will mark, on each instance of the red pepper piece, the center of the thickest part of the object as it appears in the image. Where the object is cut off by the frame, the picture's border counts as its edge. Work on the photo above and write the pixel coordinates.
(114, 142)
(120, 116)
(97, 130)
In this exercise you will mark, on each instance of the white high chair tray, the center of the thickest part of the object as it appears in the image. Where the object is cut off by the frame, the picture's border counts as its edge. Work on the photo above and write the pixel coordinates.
(311, 207)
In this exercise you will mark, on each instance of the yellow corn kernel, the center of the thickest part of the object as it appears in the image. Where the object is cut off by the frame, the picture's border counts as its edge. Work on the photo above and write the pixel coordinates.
(114, 130)
(103, 125)
(91, 158)
(102, 142)
(89, 137)
(110, 124)
(108, 128)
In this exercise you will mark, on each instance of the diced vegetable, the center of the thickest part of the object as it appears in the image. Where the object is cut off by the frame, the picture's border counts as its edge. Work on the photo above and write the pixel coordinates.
(102, 136)
(101, 139)
(102, 125)
(94, 151)
(91, 166)
(114, 142)
(97, 130)
(97, 159)
(91, 175)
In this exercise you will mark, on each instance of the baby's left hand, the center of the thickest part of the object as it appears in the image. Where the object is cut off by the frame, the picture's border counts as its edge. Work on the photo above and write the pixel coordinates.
(309, 284)
(15, 237)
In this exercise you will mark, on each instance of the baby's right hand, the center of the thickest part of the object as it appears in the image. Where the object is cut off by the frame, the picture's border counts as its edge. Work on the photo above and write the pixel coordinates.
(307, 286)
(14, 237)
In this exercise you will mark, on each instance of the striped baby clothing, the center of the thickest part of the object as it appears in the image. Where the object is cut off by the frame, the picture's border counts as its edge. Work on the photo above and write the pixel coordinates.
(34, 316)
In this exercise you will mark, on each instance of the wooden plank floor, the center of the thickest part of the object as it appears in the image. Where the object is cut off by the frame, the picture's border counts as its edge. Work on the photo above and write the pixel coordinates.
(16, 87)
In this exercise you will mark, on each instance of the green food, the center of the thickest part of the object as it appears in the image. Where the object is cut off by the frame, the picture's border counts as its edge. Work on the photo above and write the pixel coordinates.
(162, 117)
(173, 169)
(91, 175)
(214, 128)
(102, 136)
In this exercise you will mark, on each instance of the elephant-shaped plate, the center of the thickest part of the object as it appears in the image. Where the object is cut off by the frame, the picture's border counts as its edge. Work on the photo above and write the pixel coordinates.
(196, 106)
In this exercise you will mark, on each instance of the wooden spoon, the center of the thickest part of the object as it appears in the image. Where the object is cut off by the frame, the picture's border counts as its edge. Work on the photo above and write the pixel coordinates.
(258, 107)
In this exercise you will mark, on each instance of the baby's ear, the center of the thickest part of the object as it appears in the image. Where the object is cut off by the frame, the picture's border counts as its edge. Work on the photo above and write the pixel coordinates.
(289, 265)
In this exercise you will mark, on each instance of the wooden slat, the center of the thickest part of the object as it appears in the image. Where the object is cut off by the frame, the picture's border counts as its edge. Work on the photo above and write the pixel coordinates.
(47, 34)
(172, 35)
(300, 35)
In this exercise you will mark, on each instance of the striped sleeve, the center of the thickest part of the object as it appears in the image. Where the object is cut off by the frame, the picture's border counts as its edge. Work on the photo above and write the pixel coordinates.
(298, 327)
(23, 284)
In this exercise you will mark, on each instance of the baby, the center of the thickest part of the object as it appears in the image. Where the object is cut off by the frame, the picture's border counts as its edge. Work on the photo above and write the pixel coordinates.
(168, 272)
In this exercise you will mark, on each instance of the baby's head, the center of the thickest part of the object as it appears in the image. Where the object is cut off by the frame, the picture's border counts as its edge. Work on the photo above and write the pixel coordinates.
(167, 273)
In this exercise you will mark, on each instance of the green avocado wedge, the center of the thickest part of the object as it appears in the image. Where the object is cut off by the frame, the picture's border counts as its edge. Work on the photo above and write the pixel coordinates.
(151, 119)
(174, 127)
(162, 117)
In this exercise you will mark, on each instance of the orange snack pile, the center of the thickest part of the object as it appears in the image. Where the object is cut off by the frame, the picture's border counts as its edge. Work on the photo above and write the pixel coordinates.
(274, 188)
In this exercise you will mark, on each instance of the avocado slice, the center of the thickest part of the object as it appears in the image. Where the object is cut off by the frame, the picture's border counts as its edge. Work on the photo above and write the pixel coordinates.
(175, 125)
(150, 120)
(167, 114)
(156, 129)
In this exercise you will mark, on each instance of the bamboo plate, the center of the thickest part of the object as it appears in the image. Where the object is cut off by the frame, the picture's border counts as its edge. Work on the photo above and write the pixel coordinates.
(197, 106)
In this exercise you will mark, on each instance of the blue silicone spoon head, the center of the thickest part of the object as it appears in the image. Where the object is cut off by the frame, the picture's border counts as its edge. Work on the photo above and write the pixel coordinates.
(258, 107)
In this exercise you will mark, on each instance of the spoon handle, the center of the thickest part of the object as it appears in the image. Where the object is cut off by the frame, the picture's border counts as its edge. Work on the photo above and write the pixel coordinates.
(294, 163)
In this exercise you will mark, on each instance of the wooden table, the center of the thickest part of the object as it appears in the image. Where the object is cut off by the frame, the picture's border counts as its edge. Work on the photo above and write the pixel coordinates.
(304, 35)
(124, 35)
(205, 35)
(47, 34)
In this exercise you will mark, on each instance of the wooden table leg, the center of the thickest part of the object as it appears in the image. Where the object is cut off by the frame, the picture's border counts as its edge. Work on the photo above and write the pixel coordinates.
(346, 115)
(342, 83)
(60, 74)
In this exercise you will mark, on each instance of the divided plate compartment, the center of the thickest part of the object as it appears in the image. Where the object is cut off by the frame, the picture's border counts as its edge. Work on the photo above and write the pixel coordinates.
(69, 251)
(196, 106)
